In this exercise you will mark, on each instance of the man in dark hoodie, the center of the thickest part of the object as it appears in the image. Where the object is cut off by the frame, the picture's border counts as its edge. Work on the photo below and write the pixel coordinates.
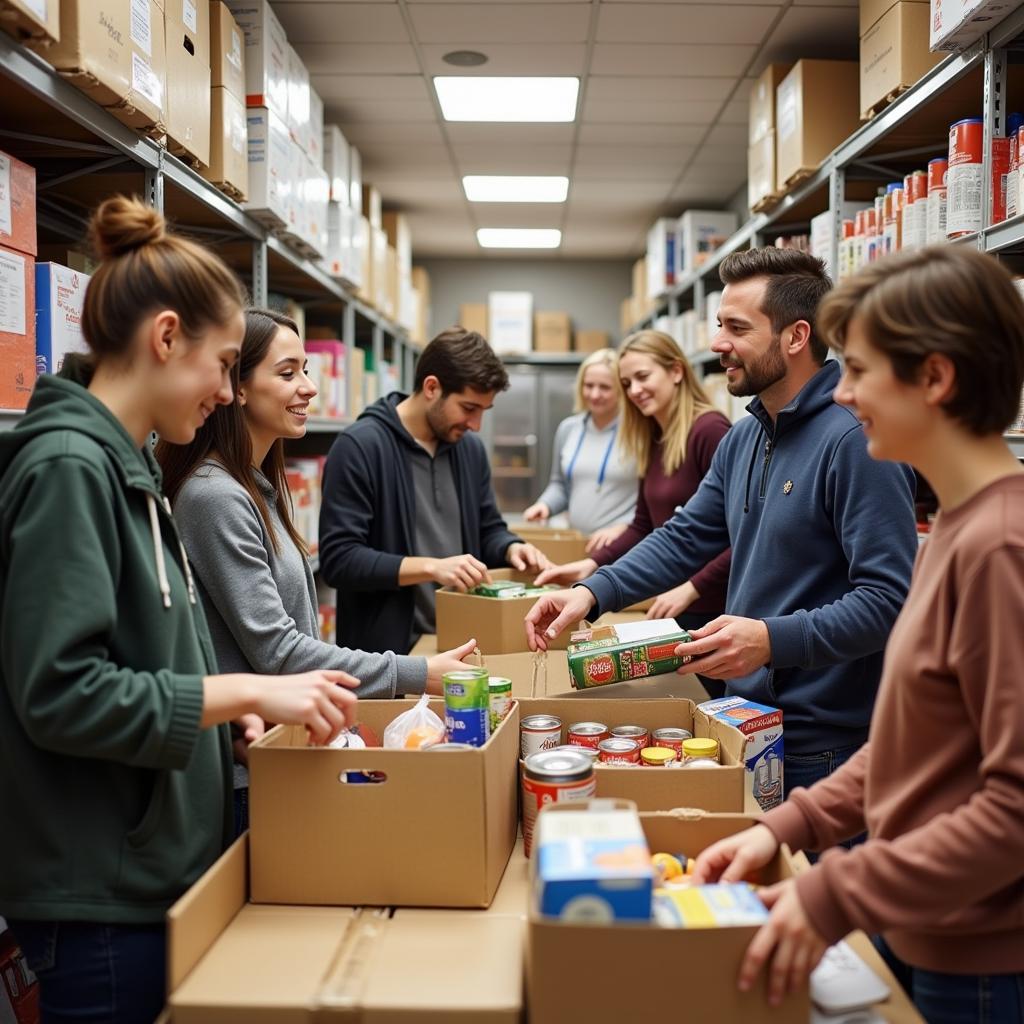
(407, 499)
(822, 535)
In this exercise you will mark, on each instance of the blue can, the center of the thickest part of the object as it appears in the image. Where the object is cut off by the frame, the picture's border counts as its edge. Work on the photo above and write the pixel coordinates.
(467, 706)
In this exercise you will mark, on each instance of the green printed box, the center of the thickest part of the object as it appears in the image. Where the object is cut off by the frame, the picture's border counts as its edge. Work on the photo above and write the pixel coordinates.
(629, 650)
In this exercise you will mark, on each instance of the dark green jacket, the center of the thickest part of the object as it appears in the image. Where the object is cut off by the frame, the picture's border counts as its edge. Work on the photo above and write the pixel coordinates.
(112, 800)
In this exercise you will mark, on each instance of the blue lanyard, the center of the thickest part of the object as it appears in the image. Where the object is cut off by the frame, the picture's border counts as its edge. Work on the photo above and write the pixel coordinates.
(579, 445)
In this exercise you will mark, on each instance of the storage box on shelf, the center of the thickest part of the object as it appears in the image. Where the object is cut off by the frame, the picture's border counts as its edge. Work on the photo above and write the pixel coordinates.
(552, 331)
(266, 55)
(587, 340)
(269, 168)
(701, 233)
(60, 293)
(662, 239)
(473, 316)
(228, 167)
(188, 106)
(36, 21)
(510, 322)
(227, 51)
(955, 24)
(18, 249)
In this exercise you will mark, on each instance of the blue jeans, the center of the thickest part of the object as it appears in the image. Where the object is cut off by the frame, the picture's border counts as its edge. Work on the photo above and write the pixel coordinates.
(958, 998)
(98, 973)
(807, 769)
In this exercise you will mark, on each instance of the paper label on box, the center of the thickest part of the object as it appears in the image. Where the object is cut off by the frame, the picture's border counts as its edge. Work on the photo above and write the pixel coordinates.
(239, 137)
(141, 28)
(67, 295)
(12, 293)
(37, 7)
(786, 112)
(146, 82)
(6, 223)
(189, 15)
(234, 54)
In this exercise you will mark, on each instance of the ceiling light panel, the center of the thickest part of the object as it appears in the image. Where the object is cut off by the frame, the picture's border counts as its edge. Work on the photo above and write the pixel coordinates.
(519, 238)
(498, 188)
(482, 98)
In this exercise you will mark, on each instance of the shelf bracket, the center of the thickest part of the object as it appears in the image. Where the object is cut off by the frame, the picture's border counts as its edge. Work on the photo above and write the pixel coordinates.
(259, 274)
(348, 325)
(994, 126)
(836, 197)
(155, 184)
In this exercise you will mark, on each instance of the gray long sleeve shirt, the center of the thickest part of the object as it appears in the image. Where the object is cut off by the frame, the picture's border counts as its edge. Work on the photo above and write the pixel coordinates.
(576, 481)
(261, 604)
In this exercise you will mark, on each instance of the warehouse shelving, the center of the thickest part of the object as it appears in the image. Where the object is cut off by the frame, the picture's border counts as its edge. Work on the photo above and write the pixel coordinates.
(52, 124)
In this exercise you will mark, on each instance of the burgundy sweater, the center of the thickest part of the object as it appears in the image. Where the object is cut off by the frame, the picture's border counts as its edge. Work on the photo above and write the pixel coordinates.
(657, 499)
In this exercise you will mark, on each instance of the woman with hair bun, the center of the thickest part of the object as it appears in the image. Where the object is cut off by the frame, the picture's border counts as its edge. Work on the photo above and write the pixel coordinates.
(115, 753)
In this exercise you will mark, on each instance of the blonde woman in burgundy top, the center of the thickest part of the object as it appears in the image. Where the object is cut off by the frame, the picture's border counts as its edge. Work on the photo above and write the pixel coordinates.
(671, 429)
(934, 348)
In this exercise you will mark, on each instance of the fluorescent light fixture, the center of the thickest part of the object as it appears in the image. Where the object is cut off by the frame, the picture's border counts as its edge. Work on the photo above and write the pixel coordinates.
(519, 238)
(496, 188)
(480, 98)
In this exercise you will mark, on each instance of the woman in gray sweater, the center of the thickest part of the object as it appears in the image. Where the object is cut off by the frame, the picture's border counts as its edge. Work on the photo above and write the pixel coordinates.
(233, 511)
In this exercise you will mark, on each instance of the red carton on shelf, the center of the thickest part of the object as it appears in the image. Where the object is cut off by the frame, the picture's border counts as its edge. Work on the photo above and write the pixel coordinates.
(17, 205)
(17, 328)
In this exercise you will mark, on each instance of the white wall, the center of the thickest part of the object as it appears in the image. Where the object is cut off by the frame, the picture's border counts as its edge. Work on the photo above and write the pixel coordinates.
(590, 292)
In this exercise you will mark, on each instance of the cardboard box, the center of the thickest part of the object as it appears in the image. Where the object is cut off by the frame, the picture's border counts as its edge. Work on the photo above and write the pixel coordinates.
(662, 239)
(315, 135)
(894, 54)
(640, 292)
(391, 285)
(266, 55)
(626, 319)
(31, 21)
(188, 101)
(355, 180)
(473, 316)
(372, 206)
(227, 51)
(496, 623)
(657, 789)
(356, 369)
(590, 341)
(328, 846)
(336, 163)
(229, 144)
(629, 960)
(269, 159)
(396, 227)
(761, 190)
(360, 253)
(17, 205)
(552, 332)
(762, 101)
(955, 24)
(144, 105)
(343, 963)
(701, 232)
(17, 328)
(817, 107)
(337, 259)
(60, 294)
(510, 322)
(560, 546)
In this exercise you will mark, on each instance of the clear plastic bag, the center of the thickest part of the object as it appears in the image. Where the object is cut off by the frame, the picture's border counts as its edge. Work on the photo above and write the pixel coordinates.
(415, 729)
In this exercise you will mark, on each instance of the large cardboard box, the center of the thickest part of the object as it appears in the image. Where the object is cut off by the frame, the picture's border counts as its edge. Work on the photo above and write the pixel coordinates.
(955, 24)
(60, 295)
(762, 101)
(701, 232)
(396, 227)
(560, 546)
(510, 322)
(590, 341)
(373, 206)
(337, 259)
(658, 789)
(17, 205)
(761, 190)
(495, 622)
(894, 54)
(229, 144)
(227, 51)
(188, 79)
(817, 107)
(473, 316)
(662, 239)
(318, 840)
(35, 21)
(266, 55)
(628, 962)
(298, 99)
(626, 319)
(552, 332)
(640, 292)
(17, 328)
(336, 163)
(269, 159)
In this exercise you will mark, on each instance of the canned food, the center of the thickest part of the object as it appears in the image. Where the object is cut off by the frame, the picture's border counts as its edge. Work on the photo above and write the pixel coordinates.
(587, 734)
(640, 733)
(592, 752)
(451, 746)
(553, 776)
(672, 738)
(467, 705)
(657, 757)
(964, 178)
(616, 750)
(499, 588)
(539, 732)
(700, 747)
(500, 693)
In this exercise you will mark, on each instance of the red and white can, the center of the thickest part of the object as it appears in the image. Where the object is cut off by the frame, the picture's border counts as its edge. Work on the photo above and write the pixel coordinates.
(615, 750)
(915, 210)
(1000, 174)
(587, 734)
(537, 733)
(672, 738)
(640, 733)
(935, 221)
(1012, 182)
(964, 214)
(554, 776)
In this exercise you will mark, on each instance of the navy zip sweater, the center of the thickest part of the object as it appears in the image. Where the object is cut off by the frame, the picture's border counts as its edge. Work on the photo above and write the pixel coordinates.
(823, 542)
(367, 523)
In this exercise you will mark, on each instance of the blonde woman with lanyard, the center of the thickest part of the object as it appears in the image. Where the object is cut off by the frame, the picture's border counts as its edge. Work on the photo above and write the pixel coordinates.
(593, 479)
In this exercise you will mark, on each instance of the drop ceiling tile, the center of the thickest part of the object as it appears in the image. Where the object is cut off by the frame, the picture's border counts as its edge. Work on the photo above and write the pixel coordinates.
(464, 134)
(342, 23)
(342, 88)
(417, 194)
(518, 215)
(509, 59)
(406, 132)
(359, 58)
(685, 3)
(648, 89)
(387, 170)
(829, 33)
(546, 159)
(627, 157)
(825, 3)
(598, 171)
(660, 112)
(384, 110)
(505, 23)
(696, 23)
(408, 159)
(724, 134)
(735, 112)
(670, 59)
(629, 134)
(624, 189)
(694, 195)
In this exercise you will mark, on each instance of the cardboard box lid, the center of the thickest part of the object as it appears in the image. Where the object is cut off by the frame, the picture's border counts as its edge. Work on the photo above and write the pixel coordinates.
(190, 19)
(227, 50)
(762, 100)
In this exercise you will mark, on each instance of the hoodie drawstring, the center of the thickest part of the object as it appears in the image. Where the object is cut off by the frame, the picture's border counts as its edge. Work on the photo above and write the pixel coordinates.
(750, 472)
(158, 551)
(184, 560)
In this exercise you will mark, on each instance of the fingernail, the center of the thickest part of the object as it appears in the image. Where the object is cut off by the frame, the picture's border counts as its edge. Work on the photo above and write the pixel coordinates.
(551, 634)
(744, 985)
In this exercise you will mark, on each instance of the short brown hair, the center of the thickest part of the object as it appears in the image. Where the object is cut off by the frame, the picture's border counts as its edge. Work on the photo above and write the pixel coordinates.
(943, 299)
(461, 359)
(144, 269)
(797, 283)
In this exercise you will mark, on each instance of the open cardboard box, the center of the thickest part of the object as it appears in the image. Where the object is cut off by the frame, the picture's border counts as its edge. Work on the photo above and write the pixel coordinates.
(233, 962)
(318, 840)
(495, 622)
(656, 789)
(687, 974)
(560, 546)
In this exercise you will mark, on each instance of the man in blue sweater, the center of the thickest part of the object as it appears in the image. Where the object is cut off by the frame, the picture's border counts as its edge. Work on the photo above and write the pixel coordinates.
(822, 535)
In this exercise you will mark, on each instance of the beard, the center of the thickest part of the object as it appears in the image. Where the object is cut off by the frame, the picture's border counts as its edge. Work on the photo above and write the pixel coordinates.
(439, 423)
(762, 373)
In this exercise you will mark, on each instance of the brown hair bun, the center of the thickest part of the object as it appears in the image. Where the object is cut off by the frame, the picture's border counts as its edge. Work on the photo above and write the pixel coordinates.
(121, 225)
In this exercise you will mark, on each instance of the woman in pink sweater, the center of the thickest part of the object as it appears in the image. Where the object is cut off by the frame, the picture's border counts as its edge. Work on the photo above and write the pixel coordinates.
(934, 348)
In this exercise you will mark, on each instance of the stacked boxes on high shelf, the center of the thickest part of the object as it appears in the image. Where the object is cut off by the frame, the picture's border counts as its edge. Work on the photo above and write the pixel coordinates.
(229, 138)
(17, 282)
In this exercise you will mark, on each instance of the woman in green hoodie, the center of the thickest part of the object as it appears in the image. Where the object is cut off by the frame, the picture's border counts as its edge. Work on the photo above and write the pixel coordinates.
(115, 754)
